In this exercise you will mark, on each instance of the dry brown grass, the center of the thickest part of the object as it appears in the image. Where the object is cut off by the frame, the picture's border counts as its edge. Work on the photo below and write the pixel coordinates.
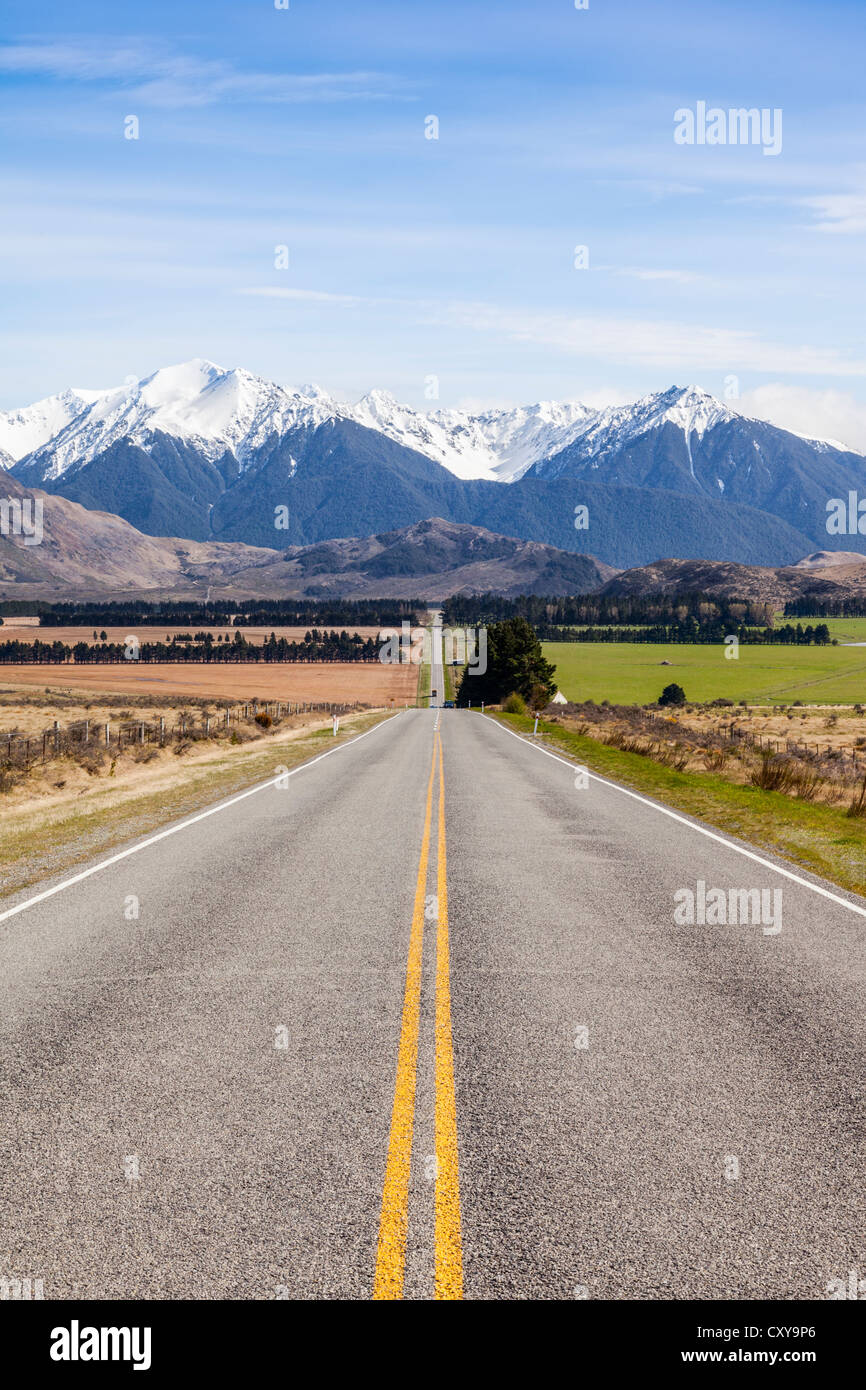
(819, 765)
(370, 683)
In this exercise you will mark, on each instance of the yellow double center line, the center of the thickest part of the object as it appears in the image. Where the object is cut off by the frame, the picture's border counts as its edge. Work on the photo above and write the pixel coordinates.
(394, 1220)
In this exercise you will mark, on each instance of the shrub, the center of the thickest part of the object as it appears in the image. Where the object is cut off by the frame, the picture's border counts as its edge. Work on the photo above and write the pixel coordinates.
(858, 801)
(515, 704)
(715, 759)
(774, 774)
(672, 694)
(806, 783)
(264, 721)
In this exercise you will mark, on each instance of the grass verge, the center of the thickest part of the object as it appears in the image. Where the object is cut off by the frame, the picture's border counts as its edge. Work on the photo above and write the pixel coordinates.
(43, 839)
(817, 837)
(422, 699)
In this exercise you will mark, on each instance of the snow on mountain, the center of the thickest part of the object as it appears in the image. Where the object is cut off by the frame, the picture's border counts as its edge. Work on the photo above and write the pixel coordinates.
(218, 410)
(449, 437)
(498, 445)
(521, 437)
(22, 431)
(203, 404)
(689, 408)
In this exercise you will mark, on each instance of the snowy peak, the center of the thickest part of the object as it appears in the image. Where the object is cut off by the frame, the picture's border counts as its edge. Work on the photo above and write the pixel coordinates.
(689, 408)
(203, 404)
(23, 431)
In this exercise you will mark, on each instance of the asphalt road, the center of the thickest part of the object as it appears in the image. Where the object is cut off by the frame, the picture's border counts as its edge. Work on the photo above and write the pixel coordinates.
(323, 1062)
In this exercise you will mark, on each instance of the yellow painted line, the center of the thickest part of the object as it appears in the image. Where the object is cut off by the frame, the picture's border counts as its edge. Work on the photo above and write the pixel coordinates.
(394, 1219)
(448, 1248)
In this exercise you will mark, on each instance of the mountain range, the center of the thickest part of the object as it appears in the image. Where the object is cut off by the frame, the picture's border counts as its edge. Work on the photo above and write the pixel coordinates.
(88, 554)
(221, 455)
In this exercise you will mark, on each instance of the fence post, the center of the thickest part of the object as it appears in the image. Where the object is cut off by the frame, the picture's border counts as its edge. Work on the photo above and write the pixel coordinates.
(56, 736)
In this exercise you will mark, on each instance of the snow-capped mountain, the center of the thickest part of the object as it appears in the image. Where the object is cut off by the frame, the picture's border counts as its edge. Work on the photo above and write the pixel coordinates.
(23, 431)
(204, 405)
(688, 409)
(219, 411)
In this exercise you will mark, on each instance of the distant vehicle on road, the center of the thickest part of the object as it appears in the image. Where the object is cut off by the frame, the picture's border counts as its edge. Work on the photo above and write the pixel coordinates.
(449, 704)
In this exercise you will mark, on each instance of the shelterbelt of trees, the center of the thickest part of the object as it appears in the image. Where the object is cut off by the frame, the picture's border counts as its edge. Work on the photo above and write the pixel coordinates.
(826, 608)
(202, 647)
(614, 610)
(692, 632)
(692, 618)
(327, 613)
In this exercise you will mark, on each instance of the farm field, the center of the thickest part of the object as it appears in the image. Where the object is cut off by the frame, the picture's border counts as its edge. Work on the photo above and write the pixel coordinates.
(370, 683)
(632, 674)
(843, 629)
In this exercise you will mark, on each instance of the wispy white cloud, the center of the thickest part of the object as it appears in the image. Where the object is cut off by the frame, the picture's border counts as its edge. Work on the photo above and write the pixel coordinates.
(660, 343)
(637, 272)
(839, 212)
(157, 76)
(311, 296)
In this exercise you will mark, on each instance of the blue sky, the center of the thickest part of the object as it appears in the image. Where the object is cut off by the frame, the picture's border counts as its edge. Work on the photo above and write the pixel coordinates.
(453, 258)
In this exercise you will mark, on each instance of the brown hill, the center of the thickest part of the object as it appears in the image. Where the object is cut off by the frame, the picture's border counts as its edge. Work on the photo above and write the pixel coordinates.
(766, 585)
(84, 554)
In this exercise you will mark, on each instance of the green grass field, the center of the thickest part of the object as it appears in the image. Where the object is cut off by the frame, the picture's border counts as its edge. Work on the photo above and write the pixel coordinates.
(449, 683)
(422, 697)
(632, 674)
(843, 629)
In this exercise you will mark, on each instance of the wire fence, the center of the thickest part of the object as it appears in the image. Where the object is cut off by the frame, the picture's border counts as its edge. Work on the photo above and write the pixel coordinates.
(22, 750)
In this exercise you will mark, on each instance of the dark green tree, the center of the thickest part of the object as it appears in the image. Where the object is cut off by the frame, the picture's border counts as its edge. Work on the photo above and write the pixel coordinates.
(672, 694)
(514, 664)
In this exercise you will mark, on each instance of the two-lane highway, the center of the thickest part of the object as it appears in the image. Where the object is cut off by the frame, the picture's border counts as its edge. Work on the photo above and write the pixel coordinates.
(424, 1021)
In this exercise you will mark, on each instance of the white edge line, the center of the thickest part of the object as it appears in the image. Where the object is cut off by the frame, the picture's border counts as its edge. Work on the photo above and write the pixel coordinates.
(183, 825)
(684, 820)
